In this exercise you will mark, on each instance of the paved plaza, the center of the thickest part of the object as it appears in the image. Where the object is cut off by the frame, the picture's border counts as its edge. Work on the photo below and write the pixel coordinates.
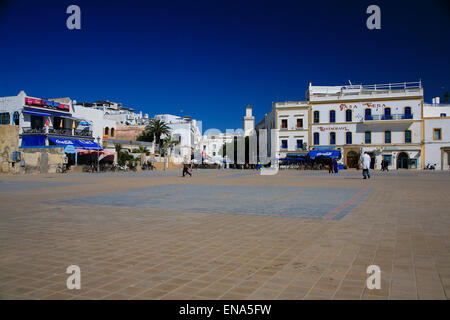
(225, 234)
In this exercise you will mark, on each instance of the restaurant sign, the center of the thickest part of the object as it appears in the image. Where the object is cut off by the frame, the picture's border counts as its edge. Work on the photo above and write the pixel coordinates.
(342, 128)
(47, 104)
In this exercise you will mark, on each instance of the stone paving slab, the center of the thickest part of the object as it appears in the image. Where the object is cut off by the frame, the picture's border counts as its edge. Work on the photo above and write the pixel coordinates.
(178, 252)
(325, 203)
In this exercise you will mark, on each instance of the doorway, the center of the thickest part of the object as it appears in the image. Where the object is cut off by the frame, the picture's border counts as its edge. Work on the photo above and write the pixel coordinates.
(352, 159)
(402, 160)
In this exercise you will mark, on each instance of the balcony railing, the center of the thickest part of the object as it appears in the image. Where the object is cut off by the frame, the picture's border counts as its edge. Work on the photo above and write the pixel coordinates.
(378, 117)
(33, 130)
(59, 132)
(82, 133)
(62, 132)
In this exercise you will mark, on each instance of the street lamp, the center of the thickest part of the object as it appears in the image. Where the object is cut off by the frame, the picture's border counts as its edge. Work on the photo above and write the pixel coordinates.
(98, 154)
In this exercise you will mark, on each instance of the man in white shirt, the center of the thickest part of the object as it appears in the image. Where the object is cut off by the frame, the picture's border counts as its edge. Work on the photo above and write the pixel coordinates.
(365, 163)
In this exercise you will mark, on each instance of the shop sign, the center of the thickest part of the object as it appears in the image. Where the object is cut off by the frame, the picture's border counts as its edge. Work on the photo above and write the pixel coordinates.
(44, 103)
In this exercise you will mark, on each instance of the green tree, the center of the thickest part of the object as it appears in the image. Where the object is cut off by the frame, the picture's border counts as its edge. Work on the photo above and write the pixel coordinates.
(154, 131)
(141, 149)
(117, 147)
(123, 157)
(168, 144)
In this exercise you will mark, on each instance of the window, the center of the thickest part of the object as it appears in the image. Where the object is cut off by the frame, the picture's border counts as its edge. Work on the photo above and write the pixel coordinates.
(58, 123)
(408, 114)
(284, 124)
(443, 114)
(332, 137)
(408, 136)
(437, 134)
(348, 115)
(112, 132)
(368, 114)
(214, 153)
(284, 144)
(316, 138)
(204, 147)
(299, 123)
(368, 137)
(387, 137)
(316, 117)
(387, 113)
(348, 137)
(388, 159)
(332, 116)
(299, 144)
(106, 131)
(4, 118)
(16, 118)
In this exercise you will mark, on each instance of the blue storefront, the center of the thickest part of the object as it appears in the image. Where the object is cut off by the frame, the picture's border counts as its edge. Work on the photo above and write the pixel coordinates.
(71, 146)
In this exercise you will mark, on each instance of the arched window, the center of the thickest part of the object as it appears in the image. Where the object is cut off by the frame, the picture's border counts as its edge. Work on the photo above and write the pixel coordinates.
(112, 132)
(16, 118)
(332, 138)
(106, 131)
(332, 116)
(316, 138)
(5, 118)
(348, 137)
(348, 115)
(316, 117)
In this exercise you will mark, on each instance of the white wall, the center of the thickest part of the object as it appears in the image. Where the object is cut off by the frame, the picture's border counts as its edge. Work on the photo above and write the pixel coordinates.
(94, 116)
(433, 152)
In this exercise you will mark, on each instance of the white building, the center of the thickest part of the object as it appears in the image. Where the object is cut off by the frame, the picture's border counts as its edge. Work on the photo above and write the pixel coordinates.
(115, 111)
(383, 120)
(436, 118)
(291, 135)
(210, 146)
(99, 125)
(184, 129)
(51, 122)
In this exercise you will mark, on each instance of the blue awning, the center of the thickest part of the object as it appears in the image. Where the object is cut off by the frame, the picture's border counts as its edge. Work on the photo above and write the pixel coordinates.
(35, 113)
(335, 154)
(89, 144)
(63, 142)
(33, 141)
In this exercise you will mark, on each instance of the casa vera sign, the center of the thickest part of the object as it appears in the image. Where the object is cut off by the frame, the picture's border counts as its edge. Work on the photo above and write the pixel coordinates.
(376, 106)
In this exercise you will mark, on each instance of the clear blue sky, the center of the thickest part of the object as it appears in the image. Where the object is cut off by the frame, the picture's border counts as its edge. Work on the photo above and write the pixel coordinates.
(212, 58)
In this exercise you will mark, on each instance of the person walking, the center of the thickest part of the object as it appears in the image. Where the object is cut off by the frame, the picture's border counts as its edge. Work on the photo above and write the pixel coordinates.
(335, 166)
(330, 165)
(186, 170)
(365, 164)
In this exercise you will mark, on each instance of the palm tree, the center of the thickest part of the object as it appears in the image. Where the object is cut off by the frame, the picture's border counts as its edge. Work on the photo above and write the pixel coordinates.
(118, 147)
(143, 149)
(167, 145)
(154, 131)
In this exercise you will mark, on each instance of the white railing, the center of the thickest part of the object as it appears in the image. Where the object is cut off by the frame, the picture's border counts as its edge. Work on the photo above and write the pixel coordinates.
(372, 89)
